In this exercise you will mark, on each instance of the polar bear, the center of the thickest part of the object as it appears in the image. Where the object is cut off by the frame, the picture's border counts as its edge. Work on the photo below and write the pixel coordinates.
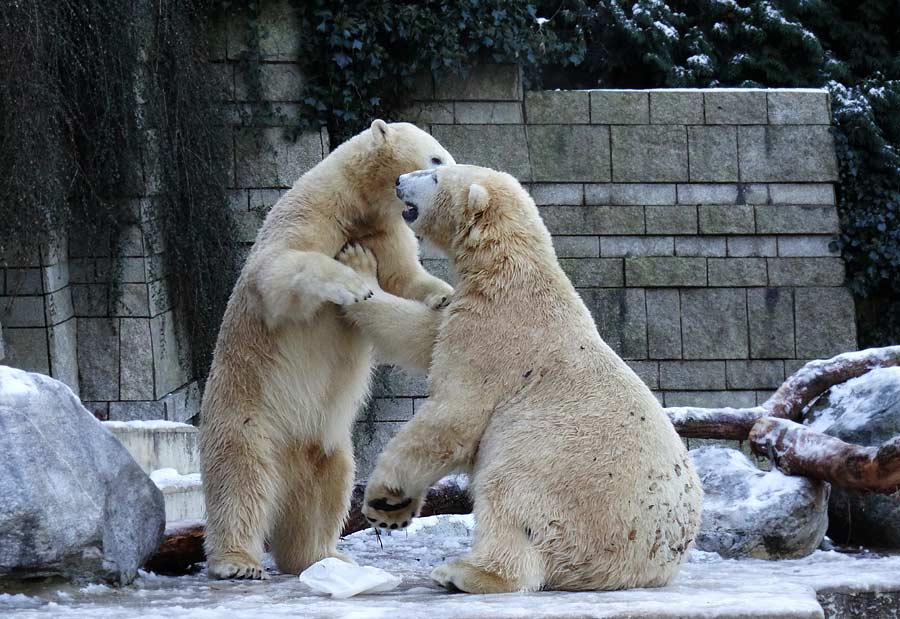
(289, 373)
(578, 478)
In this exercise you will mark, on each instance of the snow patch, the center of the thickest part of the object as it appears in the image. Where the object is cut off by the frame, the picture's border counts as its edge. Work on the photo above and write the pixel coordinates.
(150, 424)
(171, 478)
(853, 399)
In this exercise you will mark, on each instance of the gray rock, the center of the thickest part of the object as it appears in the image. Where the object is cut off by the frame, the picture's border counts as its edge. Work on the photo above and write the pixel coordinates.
(751, 513)
(73, 502)
(865, 411)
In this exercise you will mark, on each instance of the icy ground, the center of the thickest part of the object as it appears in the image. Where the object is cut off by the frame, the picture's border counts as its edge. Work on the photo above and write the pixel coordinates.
(708, 586)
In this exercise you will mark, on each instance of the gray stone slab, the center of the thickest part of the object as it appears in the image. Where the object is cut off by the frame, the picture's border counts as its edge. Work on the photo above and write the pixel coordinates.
(137, 411)
(722, 193)
(620, 107)
(58, 306)
(26, 349)
(663, 324)
(428, 113)
(737, 271)
(557, 106)
(56, 276)
(711, 399)
(268, 158)
(22, 282)
(792, 107)
(676, 107)
(488, 112)
(131, 300)
(797, 219)
(557, 193)
(714, 323)
(440, 268)
(709, 246)
(628, 246)
(694, 375)
(593, 219)
(169, 362)
(388, 409)
(98, 358)
(263, 199)
(647, 371)
(747, 246)
(755, 374)
(62, 343)
(802, 193)
(665, 272)
(571, 153)
(277, 38)
(805, 271)
(21, 311)
(713, 154)
(136, 381)
(501, 147)
(90, 299)
(621, 319)
(594, 272)
(735, 107)
(787, 153)
(277, 83)
(721, 219)
(807, 246)
(369, 440)
(680, 219)
(577, 246)
(645, 153)
(392, 381)
(826, 322)
(641, 194)
(486, 82)
(771, 316)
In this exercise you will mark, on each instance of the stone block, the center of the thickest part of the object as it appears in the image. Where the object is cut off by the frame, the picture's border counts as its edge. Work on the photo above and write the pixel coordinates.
(263, 199)
(392, 381)
(719, 193)
(826, 322)
(628, 246)
(799, 219)
(594, 272)
(569, 153)
(21, 282)
(711, 399)
(714, 323)
(557, 106)
(620, 107)
(388, 409)
(222, 79)
(277, 83)
(598, 194)
(130, 270)
(799, 107)
(708, 246)
(100, 410)
(646, 153)
(647, 371)
(671, 219)
(56, 276)
(277, 35)
(26, 349)
(169, 362)
(621, 319)
(755, 374)
(502, 147)
(699, 375)
(136, 411)
(771, 315)
(442, 269)
(270, 158)
(593, 219)
(787, 153)
(630, 194)
(422, 86)
(671, 107)
(806, 246)
(557, 193)
(488, 112)
(136, 381)
(802, 193)
(734, 107)
(98, 358)
(369, 440)
(486, 82)
(62, 342)
(427, 113)
(749, 246)
(806, 271)
(247, 225)
(157, 268)
(668, 271)
(183, 404)
(22, 312)
(81, 271)
(663, 324)
(737, 271)
(721, 219)
(58, 306)
(577, 246)
(90, 299)
(131, 300)
(713, 154)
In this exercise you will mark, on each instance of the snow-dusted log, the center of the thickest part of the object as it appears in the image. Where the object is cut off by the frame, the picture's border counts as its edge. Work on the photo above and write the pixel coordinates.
(798, 450)
(182, 547)
(787, 402)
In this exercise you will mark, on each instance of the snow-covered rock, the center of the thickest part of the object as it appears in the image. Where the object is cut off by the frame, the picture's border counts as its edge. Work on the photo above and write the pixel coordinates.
(73, 502)
(865, 411)
(752, 513)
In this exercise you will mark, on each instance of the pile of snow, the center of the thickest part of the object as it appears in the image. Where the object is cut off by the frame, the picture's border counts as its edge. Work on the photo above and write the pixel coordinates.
(171, 478)
(148, 424)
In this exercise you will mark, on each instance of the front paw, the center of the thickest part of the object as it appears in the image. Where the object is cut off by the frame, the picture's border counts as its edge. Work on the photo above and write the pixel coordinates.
(362, 261)
(440, 298)
(389, 508)
(346, 289)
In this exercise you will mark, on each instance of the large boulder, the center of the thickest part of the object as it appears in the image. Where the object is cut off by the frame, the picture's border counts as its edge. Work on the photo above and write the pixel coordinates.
(73, 502)
(752, 513)
(865, 411)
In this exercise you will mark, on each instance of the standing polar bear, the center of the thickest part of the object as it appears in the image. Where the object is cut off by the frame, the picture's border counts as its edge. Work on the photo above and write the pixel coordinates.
(578, 478)
(289, 373)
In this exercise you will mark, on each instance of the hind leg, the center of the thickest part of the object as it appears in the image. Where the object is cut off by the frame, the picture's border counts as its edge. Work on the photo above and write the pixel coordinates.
(502, 559)
(316, 499)
(239, 483)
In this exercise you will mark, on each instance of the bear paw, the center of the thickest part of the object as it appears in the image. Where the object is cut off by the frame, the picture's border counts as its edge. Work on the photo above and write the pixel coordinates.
(362, 261)
(458, 576)
(389, 509)
(233, 568)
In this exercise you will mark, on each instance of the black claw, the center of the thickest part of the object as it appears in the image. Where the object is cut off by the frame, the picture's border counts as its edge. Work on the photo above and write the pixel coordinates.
(370, 519)
(393, 525)
(405, 524)
(382, 505)
(383, 525)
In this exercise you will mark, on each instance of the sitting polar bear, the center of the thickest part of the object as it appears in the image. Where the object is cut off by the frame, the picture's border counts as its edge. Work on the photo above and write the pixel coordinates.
(578, 478)
(289, 373)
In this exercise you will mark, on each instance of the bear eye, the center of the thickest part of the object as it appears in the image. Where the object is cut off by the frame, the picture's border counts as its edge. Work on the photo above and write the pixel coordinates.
(436, 160)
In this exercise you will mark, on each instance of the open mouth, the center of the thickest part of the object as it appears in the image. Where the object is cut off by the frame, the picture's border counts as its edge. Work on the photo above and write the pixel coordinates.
(410, 213)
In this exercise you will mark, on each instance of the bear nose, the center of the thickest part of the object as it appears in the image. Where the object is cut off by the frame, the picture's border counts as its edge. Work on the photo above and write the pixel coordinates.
(397, 182)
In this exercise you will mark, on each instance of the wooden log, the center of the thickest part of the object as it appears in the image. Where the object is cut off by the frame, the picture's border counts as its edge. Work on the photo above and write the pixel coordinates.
(798, 450)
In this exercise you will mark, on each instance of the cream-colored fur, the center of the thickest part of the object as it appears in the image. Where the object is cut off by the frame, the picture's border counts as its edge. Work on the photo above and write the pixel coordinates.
(579, 480)
(289, 373)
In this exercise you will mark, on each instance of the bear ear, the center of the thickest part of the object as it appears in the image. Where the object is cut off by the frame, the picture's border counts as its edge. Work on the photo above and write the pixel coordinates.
(380, 131)
(478, 199)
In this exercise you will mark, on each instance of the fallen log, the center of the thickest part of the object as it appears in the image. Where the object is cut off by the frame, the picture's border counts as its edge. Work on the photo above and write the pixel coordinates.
(798, 450)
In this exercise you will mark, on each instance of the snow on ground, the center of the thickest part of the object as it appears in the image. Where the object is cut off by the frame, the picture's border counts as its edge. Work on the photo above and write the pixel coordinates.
(171, 478)
(150, 424)
(708, 586)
